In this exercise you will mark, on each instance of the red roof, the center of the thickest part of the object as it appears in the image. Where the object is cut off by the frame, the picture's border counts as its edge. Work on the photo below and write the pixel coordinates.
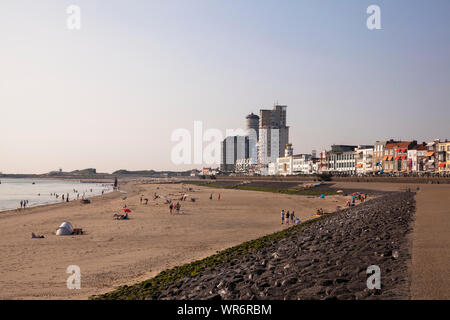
(403, 144)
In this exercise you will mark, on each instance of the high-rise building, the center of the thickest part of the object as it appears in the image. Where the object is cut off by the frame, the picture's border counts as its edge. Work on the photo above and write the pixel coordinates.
(252, 123)
(252, 127)
(273, 135)
(233, 148)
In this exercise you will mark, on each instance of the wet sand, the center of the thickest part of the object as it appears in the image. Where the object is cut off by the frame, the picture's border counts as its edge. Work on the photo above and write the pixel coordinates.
(113, 253)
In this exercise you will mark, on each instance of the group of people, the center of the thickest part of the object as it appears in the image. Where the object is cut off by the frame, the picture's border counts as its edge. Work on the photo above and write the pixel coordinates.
(118, 216)
(23, 204)
(176, 207)
(143, 200)
(287, 217)
(352, 201)
(211, 196)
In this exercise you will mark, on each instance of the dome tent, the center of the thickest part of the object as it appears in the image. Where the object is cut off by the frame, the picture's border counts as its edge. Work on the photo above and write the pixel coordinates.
(65, 229)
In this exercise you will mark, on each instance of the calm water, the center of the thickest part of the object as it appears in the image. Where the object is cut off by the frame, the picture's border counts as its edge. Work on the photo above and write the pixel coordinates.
(12, 191)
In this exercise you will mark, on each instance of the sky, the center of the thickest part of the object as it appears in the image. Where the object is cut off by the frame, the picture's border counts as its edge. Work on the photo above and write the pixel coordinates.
(110, 95)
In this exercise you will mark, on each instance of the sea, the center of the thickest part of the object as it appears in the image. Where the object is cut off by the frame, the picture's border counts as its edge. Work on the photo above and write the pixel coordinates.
(42, 192)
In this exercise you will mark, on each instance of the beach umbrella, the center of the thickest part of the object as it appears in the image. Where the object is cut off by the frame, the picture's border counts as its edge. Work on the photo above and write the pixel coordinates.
(126, 210)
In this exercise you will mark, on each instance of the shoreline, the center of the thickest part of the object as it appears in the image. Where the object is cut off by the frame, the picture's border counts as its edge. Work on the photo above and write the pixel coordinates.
(59, 201)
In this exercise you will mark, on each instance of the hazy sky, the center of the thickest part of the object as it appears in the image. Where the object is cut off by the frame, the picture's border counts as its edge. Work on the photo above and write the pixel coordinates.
(110, 95)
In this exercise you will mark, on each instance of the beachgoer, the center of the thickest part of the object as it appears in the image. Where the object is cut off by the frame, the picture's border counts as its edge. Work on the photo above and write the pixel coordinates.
(178, 206)
(287, 217)
(33, 236)
(218, 198)
(210, 196)
(282, 216)
(140, 200)
(292, 217)
(171, 208)
(21, 204)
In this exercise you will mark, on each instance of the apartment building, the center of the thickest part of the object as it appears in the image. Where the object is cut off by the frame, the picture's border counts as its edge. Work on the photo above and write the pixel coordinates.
(341, 159)
(395, 159)
(444, 157)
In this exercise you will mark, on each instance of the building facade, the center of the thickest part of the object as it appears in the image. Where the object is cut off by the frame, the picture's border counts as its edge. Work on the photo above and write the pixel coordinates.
(444, 158)
(395, 159)
(273, 135)
(232, 149)
(341, 160)
(364, 160)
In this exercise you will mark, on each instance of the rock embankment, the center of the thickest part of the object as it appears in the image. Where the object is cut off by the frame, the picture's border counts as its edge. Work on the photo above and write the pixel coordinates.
(327, 259)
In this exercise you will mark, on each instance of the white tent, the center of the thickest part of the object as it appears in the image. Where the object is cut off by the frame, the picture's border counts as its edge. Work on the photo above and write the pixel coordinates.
(64, 229)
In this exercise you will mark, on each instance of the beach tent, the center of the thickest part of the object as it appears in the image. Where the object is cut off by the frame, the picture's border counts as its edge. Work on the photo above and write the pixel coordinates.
(64, 229)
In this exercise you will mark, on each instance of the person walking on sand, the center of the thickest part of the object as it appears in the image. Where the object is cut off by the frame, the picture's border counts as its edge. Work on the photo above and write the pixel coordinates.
(218, 198)
(210, 196)
(178, 206)
(21, 204)
(292, 217)
(287, 217)
(282, 216)
(171, 208)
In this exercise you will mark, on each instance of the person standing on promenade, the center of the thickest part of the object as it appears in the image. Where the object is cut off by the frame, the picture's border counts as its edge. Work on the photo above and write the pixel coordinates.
(282, 216)
(287, 217)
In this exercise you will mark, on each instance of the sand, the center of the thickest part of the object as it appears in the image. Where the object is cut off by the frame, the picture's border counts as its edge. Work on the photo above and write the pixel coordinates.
(114, 253)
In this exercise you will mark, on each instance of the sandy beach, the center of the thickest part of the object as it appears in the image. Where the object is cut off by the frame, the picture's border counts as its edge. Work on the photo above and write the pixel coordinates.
(113, 253)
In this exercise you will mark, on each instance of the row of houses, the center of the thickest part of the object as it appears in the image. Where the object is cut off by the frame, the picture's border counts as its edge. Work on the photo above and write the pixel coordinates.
(384, 157)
